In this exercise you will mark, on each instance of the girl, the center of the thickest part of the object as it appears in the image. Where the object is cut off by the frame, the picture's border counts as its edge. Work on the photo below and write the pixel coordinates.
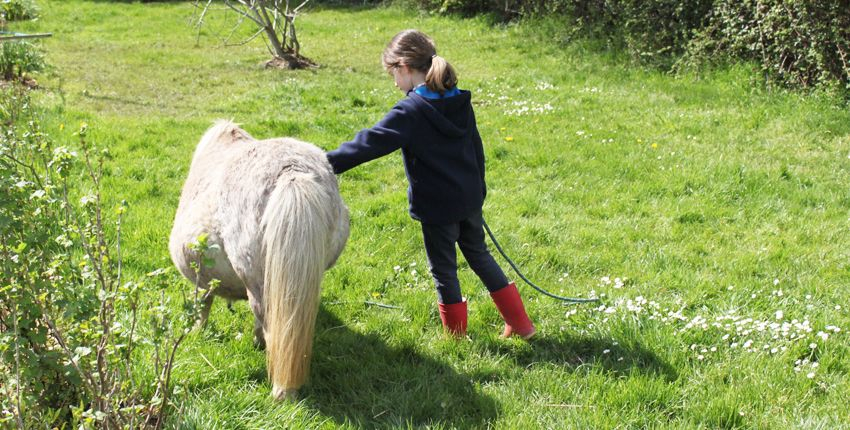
(444, 162)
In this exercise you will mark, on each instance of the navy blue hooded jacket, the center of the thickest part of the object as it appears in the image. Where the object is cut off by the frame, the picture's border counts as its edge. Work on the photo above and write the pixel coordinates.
(442, 150)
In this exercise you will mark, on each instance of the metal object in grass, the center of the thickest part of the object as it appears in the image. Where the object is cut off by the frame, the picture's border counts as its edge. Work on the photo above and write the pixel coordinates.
(516, 269)
(6, 36)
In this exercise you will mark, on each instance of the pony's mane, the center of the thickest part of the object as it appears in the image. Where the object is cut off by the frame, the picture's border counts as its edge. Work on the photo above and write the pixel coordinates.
(223, 132)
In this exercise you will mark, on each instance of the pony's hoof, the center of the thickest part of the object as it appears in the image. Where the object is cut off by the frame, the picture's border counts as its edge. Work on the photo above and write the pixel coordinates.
(283, 394)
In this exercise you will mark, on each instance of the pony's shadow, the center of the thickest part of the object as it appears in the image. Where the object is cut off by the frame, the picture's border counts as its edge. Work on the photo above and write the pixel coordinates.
(574, 352)
(358, 378)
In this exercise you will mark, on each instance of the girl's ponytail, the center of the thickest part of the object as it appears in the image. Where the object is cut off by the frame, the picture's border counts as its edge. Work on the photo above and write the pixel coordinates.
(441, 76)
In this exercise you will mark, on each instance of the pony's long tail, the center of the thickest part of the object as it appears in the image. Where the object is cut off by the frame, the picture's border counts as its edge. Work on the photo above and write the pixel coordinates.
(297, 222)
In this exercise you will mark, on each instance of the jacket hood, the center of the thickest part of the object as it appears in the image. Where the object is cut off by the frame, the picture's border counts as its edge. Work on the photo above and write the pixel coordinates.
(452, 116)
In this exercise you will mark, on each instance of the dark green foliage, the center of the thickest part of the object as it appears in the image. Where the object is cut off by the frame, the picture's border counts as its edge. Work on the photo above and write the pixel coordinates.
(800, 43)
(797, 43)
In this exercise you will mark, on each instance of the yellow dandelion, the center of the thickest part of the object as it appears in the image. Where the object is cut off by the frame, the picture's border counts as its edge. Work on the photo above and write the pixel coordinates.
(654, 145)
(61, 127)
(502, 129)
(509, 139)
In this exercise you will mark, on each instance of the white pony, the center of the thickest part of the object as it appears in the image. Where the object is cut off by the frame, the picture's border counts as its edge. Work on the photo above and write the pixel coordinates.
(273, 211)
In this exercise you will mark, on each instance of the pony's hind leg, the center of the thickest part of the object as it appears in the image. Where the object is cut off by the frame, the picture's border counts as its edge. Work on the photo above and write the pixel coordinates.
(256, 304)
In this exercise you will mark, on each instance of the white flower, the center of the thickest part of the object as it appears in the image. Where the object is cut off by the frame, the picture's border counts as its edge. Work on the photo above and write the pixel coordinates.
(606, 351)
(810, 375)
(779, 315)
(776, 282)
(813, 345)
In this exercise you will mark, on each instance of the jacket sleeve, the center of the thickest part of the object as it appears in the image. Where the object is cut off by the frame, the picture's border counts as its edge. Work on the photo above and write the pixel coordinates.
(386, 136)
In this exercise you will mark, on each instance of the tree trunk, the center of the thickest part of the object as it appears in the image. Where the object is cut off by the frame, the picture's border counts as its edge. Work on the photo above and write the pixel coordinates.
(278, 48)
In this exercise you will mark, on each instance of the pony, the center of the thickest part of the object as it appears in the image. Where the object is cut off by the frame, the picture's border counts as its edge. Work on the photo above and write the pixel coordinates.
(274, 222)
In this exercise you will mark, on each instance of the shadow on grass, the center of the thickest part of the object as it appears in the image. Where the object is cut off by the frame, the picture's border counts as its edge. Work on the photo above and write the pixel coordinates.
(359, 379)
(573, 352)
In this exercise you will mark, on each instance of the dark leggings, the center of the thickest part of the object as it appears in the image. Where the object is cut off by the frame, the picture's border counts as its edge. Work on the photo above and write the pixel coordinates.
(440, 242)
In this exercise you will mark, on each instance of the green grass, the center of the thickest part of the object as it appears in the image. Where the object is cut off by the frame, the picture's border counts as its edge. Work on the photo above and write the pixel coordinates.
(709, 196)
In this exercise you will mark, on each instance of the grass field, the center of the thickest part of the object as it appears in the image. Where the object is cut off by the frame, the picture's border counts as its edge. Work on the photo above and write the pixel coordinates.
(710, 214)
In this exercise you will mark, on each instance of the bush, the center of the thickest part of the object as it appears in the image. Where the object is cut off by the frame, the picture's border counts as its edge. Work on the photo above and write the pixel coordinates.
(17, 10)
(801, 43)
(74, 331)
(18, 58)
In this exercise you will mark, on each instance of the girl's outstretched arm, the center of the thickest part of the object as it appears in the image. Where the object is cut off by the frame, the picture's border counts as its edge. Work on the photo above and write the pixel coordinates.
(386, 136)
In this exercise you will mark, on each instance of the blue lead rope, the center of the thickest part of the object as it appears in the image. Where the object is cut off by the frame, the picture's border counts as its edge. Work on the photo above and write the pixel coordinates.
(516, 269)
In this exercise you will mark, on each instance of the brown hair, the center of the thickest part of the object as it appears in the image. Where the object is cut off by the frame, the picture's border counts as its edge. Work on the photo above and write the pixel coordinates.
(414, 49)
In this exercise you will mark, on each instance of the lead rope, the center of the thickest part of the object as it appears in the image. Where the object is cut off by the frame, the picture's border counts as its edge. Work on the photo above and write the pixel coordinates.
(516, 269)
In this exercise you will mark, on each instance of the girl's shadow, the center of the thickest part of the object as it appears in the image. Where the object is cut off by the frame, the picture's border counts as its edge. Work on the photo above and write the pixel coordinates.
(359, 378)
(572, 352)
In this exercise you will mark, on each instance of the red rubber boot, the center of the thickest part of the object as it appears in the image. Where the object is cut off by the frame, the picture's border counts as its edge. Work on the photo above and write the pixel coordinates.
(510, 305)
(454, 318)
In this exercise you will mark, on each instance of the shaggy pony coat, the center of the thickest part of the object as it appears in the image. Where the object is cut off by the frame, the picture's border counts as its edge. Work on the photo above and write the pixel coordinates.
(274, 211)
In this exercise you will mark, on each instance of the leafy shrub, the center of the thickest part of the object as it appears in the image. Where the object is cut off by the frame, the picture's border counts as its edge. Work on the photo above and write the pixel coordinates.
(17, 10)
(73, 329)
(18, 58)
(797, 42)
(800, 43)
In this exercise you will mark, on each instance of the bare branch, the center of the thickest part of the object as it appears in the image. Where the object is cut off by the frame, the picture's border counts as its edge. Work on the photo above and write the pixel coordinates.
(298, 9)
(243, 13)
(236, 26)
(201, 19)
(248, 40)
